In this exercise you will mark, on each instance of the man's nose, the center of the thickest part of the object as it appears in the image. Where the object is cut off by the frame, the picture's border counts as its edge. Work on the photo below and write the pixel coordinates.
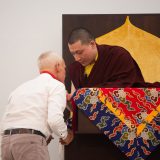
(76, 57)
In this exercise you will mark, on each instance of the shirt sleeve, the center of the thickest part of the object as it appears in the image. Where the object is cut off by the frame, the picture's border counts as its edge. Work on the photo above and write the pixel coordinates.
(56, 106)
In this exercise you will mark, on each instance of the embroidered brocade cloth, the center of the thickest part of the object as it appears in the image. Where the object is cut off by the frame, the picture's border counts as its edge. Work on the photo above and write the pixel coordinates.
(130, 117)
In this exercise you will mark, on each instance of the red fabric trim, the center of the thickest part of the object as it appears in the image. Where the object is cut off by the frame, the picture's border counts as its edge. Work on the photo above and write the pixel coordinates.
(53, 76)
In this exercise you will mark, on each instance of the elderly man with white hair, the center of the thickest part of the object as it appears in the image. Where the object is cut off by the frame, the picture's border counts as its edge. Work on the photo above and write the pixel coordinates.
(35, 111)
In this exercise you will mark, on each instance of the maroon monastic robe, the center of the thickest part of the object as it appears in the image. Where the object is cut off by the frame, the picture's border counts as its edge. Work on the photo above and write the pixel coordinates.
(114, 68)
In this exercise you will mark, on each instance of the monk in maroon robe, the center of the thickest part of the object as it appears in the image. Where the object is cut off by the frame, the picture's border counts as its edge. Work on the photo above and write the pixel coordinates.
(114, 68)
(103, 66)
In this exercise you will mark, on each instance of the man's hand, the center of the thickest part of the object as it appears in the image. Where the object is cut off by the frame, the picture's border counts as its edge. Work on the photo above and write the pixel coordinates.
(68, 139)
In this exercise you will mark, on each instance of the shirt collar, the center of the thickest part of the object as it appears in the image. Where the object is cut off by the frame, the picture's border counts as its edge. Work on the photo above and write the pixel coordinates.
(89, 67)
(53, 76)
(94, 60)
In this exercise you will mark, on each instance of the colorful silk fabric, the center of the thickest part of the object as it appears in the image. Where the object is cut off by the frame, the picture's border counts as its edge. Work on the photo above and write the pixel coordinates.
(130, 117)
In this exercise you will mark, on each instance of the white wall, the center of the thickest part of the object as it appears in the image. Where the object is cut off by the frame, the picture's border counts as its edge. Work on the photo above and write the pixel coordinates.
(29, 27)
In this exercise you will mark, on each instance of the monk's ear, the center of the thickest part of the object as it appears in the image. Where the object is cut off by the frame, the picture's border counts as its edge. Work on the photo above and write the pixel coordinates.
(92, 43)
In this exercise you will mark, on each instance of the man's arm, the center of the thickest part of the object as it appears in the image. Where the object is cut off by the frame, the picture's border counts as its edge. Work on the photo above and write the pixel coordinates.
(56, 106)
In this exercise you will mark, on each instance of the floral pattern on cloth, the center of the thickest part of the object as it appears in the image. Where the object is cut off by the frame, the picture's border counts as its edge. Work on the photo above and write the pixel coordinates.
(130, 117)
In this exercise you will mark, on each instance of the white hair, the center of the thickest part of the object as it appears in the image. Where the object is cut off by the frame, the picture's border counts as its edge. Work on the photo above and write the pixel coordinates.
(48, 59)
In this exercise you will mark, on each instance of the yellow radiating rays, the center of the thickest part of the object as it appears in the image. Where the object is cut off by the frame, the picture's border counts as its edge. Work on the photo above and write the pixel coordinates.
(143, 46)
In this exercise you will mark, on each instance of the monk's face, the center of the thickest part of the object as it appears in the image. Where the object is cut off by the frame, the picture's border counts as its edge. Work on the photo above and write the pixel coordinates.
(83, 53)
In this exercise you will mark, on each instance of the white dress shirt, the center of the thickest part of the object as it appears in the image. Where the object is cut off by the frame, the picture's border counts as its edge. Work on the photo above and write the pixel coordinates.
(37, 104)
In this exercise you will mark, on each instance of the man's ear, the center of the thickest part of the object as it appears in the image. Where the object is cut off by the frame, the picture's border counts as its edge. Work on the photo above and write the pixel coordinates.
(57, 67)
